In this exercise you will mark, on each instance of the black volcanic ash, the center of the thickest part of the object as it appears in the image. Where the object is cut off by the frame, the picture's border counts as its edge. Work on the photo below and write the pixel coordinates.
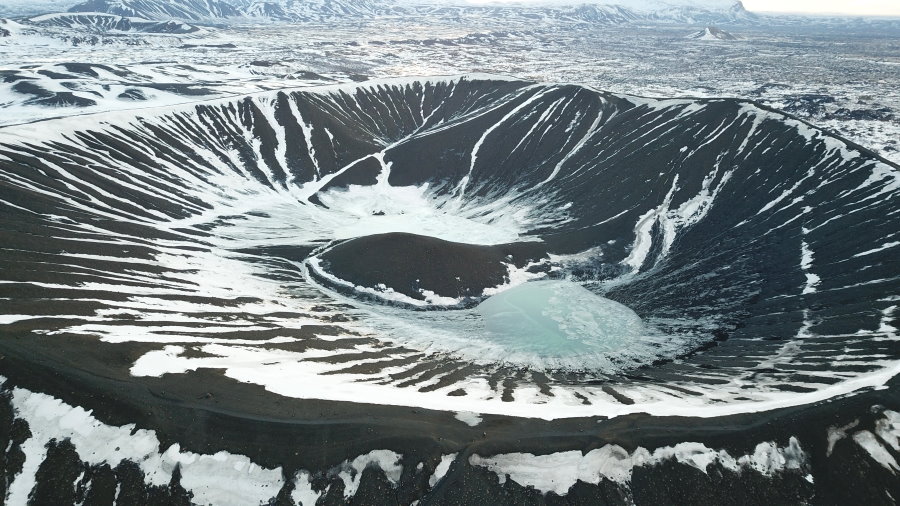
(413, 264)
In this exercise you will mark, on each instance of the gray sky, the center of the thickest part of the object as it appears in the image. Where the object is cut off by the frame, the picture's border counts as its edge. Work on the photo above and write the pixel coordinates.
(858, 7)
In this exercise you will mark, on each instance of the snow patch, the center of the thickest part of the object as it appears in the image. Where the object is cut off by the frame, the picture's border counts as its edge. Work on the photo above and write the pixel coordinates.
(469, 418)
(441, 470)
(558, 472)
(835, 434)
(516, 277)
(386, 460)
(222, 478)
(876, 450)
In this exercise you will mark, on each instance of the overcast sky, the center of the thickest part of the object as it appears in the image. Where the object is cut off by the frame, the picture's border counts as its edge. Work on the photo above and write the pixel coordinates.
(859, 7)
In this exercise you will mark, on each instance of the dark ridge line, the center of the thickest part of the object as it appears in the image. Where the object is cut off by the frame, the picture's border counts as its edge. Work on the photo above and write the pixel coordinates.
(478, 77)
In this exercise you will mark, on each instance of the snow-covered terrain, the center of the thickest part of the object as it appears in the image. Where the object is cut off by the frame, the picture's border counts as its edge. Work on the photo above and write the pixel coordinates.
(102, 22)
(850, 88)
(623, 11)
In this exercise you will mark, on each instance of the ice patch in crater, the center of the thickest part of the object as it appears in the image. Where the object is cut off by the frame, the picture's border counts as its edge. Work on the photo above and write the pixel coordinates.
(559, 318)
(544, 325)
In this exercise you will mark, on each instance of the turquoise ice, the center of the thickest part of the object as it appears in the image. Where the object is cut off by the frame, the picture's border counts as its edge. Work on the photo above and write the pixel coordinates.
(558, 319)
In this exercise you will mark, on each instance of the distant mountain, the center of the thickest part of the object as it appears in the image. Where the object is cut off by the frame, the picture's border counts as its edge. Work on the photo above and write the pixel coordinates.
(700, 13)
(694, 12)
(584, 13)
(711, 33)
(592, 13)
(601, 12)
(315, 10)
(102, 22)
(161, 10)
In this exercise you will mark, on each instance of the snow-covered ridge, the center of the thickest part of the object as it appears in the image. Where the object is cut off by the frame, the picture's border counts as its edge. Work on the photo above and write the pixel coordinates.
(9, 28)
(590, 11)
(190, 10)
(68, 15)
(100, 21)
(606, 11)
(149, 109)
